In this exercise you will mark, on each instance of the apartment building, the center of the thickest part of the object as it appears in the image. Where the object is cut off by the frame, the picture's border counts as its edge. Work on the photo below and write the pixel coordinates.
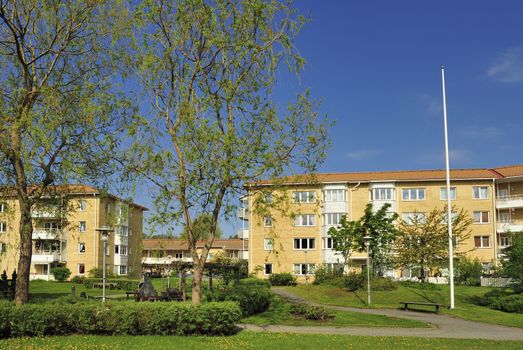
(64, 232)
(298, 241)
(159, 253)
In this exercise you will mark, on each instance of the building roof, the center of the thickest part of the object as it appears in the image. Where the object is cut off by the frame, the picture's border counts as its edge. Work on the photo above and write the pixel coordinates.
(181, 244)
(405, 175)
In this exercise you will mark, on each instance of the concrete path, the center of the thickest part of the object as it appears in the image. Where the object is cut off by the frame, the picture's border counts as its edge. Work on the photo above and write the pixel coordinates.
(443, 326)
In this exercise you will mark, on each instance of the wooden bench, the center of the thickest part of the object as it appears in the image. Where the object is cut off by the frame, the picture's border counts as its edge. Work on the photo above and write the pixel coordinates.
(134, 294)
(407, 303)
(108, 285)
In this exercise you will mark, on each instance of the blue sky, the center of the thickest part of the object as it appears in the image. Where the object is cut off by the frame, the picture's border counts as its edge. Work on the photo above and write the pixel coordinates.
(376, 67)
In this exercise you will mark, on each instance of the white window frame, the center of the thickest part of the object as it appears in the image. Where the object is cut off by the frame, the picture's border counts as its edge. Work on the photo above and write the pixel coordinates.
(453, 216)
(307, 220)
(504, 241)
(298, 268)
(382, 194)
(123, 249)
(413, 194)
(123, 270)
(78, 269)
(3, 227)
(502, 193)
(178, 255)
(83, 205)
(267, 221)
(480, 194)
(480, 221)
(265, 269)
(80, 245)
(443, 190)
(304, 197)
(268, 244)
(116, 249)
(298, 243)
(3, 207)
(481, 246)
(408, 217)
(504, 217)
(335, 195)
(82, 226)
(332, 219)
(327, 243)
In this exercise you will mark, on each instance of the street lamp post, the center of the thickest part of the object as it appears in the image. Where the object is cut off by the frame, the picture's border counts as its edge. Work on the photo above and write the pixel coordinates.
(169, 271)
(367, 239)
(104, 236)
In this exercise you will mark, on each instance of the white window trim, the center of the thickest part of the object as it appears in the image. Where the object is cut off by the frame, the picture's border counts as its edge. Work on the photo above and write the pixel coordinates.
(84, 227)
(3, 227)
(296, 197)
(267, 221)
(480, 222)
(309, 272)
(417, 194)
(308, 243)
(445, 188)
(79, 248)
(481, 241)
(268, 244)
(480, 198)
(301, 220)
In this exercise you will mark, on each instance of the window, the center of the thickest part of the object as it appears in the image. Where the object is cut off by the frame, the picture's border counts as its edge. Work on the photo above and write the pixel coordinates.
(382, 194)
(116, 249)
(304, 220)
(504, 216)
(83, 205)
(304, 197)
(81, 247)
(332, 218)
(304, 269)
(267, 221)
(328, 243)
(83, 226)
(3, 247)
(123, 250)
(178, 255)
(267, 243)
(481, 217)
(413, 218)
(503, 193)
(123, 270)
(444, 217)
(304, 243)
(335, 195)
(480, 192)
(504, 241)
(81, 269)
(3, 207)
(443, 193)
(413, 194)
(123, 231)
(482, 241)
(3, 227)
(267, 269)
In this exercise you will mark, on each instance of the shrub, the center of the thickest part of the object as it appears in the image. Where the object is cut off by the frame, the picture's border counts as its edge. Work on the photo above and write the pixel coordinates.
(310, 312)
(353, 281)
(61, 274)
(97, 272)
(78, 279)
(324, 275)
(253, 281)
(513, 264)
(121, 283)
(282, 279)
(469, 271)
(252, 298)
(383, 284)
(118, 319)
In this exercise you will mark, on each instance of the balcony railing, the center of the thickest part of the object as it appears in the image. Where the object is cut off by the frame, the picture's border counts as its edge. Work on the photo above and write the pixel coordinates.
(163, 261)
(510, 226)
(47, 212)
(46, 256)
(515, 201)
(48, 233)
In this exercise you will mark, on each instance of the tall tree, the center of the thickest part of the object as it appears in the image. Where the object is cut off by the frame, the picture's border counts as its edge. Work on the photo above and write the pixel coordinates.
(346, 238)
(58, 116)
(210, 68)
(513, 263)
(380, 226)
(423, 239)
(201, 226)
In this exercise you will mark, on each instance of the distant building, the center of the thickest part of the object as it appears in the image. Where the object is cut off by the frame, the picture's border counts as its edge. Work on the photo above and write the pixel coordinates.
(298, 243)
(64, 232)
(158, 253)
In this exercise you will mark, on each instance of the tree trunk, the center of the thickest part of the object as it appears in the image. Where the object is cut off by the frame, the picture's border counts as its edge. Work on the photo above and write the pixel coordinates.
(197, 284)
(26, 248)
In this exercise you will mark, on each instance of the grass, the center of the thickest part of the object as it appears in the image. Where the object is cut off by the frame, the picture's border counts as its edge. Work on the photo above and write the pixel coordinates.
(278, 313)
(329, 295)
(251, 340)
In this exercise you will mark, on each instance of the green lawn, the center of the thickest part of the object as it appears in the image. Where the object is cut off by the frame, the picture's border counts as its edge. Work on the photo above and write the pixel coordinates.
(278, 313)
(250, 340)
(390, 299)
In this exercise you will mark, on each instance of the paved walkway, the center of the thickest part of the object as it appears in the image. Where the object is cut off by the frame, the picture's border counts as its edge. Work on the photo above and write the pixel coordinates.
(443, 326)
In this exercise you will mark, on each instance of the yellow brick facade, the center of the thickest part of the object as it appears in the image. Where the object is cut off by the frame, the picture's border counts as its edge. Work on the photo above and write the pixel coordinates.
(67, 236)
(485, 242)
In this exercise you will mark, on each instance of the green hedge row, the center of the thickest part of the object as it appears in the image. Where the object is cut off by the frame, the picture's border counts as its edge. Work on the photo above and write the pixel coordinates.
(252, 296)
(125, 284)
(118, 318)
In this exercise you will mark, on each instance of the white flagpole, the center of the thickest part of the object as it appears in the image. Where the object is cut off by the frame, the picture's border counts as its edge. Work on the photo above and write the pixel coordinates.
(449, 208)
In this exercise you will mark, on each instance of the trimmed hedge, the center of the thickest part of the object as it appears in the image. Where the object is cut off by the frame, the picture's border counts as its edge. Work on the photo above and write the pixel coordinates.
(501, 299)
(282, 279)
(122, 318)
(252, 297)
(121, 283)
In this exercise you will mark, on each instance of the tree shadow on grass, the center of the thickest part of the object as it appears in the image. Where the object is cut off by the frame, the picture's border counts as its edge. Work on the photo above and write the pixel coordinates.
(359, 298)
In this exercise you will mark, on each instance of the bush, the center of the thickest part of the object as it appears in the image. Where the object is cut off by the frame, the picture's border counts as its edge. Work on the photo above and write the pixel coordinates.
(118, 319)
(121, 283)
(501, 299)
(252, 298)
(61, 274)
(353, 281)
(383, 284)
(78, 279)
(282, 279)
(310, 312)
(324, 275)
(98, 272)
(469, 271)
(253, 281)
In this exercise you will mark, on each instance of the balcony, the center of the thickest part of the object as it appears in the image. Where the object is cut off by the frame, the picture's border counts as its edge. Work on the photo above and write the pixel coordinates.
(46, 213)
(512, 226)
(507, 202)
(45, 257)
(243, 214)
(41, 233)
(243, 234)
(163, 261)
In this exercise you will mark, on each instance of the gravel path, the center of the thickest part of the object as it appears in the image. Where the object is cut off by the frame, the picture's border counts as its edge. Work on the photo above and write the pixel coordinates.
(443, 326)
